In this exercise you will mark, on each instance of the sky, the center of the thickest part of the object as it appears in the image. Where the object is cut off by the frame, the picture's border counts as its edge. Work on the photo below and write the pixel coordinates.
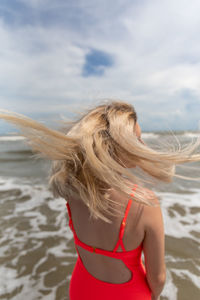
(59, 57)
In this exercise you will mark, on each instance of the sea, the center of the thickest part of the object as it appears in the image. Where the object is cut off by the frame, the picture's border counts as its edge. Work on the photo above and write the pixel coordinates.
(37, 252)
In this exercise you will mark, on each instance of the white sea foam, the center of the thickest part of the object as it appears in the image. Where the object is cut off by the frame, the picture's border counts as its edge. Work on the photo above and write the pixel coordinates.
(17, 239)
(11, 138)
(149, 135)
(174, 226)
(186, 274)
(8, 279)
(191, 134)
(170, 290)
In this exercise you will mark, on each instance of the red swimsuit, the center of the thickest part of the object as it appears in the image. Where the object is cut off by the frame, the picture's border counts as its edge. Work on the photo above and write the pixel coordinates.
(84, 286)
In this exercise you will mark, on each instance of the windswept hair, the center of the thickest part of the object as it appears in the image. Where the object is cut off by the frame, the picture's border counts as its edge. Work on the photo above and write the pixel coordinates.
(87, 156)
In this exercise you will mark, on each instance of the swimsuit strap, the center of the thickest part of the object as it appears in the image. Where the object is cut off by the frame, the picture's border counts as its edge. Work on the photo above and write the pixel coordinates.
(123, 223)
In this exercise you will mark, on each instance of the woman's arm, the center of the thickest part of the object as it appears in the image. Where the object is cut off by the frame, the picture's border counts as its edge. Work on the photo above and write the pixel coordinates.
(154, 249)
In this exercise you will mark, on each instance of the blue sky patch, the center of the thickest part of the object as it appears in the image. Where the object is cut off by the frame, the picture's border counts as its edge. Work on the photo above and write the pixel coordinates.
(96, 63)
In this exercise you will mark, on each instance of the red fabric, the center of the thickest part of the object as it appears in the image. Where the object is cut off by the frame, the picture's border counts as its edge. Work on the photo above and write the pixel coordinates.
(84, 286)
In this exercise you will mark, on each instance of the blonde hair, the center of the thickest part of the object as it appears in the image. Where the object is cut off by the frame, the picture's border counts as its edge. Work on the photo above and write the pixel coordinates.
(87, 157)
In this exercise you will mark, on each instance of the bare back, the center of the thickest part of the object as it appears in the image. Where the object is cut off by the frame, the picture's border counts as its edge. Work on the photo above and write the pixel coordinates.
(103, 235)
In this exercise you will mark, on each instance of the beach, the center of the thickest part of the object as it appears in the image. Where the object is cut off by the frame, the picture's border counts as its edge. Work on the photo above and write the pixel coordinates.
(37, 252)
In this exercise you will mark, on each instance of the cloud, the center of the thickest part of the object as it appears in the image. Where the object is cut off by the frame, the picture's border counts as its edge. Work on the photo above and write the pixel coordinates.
(57, 55)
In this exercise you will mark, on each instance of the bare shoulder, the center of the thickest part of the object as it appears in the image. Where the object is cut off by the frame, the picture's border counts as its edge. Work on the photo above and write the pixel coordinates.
(152, 214)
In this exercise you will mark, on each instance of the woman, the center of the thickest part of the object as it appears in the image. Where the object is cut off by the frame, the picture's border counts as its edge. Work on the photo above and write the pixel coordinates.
(113, 217)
